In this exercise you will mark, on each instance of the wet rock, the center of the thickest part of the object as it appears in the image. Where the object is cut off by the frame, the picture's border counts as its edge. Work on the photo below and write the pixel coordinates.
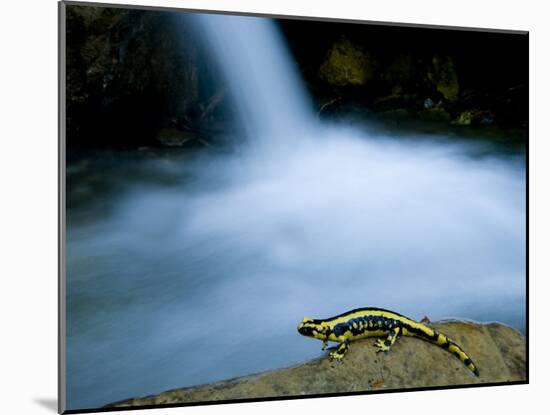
(464, 118)
(346, 64)
(487, 119)
(428, 103)
(444, 78)
(498, 351)
(474, 117)
(172, 137)
(130, 71)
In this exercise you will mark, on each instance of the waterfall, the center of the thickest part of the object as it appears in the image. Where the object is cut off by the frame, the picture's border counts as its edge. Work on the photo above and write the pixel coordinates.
(199, 267)
(263, 80)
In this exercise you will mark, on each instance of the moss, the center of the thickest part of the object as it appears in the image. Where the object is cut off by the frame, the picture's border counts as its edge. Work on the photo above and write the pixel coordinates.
(474, 117)
(464, 118)
(444, 78)
(346, 64)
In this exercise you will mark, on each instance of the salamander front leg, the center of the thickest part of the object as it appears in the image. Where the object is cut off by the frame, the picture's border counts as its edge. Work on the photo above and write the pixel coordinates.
(385, 345)
(325, 345)
(340, 351)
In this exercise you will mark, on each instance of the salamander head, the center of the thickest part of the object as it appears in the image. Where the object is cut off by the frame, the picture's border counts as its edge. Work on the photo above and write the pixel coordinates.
(317, 329)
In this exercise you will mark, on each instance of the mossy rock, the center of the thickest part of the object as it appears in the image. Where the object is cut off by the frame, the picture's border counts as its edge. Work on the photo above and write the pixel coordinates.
(474, 117)
(444, 77)
(346, 64)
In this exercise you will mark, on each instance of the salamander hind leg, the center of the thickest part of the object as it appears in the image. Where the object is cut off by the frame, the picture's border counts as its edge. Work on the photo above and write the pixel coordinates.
(385, 345)
(340, 351)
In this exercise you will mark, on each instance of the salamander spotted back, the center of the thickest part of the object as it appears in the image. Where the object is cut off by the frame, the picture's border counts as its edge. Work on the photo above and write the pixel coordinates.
(376, 322)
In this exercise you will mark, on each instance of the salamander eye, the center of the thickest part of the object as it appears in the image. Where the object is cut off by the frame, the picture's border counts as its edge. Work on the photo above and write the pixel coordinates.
(306, 330)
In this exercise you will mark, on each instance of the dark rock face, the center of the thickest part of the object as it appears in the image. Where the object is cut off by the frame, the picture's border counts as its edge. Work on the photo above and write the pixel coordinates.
(401, 73)
(132, 73)
(426, 83)
(498, 351)
(435, 114)
(456, 70)
(444, 77)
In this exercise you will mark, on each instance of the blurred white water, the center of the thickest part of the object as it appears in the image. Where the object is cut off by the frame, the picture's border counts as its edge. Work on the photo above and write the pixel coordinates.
(269, 96)
(186, 284)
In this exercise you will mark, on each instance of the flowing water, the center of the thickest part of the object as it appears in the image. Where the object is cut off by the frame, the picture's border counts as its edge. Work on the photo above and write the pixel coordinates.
(198, 267)
(270, 99)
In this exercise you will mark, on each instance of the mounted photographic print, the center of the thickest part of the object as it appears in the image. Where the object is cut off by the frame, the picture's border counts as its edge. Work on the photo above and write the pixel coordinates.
(276, 207)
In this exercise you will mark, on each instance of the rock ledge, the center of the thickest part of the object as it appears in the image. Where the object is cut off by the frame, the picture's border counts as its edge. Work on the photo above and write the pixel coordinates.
(498, 351)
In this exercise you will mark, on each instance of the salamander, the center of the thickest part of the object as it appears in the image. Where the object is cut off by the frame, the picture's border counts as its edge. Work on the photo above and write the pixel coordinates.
(376, 322)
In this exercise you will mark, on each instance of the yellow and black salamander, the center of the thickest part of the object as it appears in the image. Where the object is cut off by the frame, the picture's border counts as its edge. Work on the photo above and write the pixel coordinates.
(376, 322)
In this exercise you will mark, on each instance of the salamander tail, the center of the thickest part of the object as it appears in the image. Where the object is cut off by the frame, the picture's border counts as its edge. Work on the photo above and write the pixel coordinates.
(445, 343)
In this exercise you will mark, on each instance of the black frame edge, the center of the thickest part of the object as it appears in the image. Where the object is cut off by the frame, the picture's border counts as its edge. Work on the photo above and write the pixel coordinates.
(292, 17)
(61, 329)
